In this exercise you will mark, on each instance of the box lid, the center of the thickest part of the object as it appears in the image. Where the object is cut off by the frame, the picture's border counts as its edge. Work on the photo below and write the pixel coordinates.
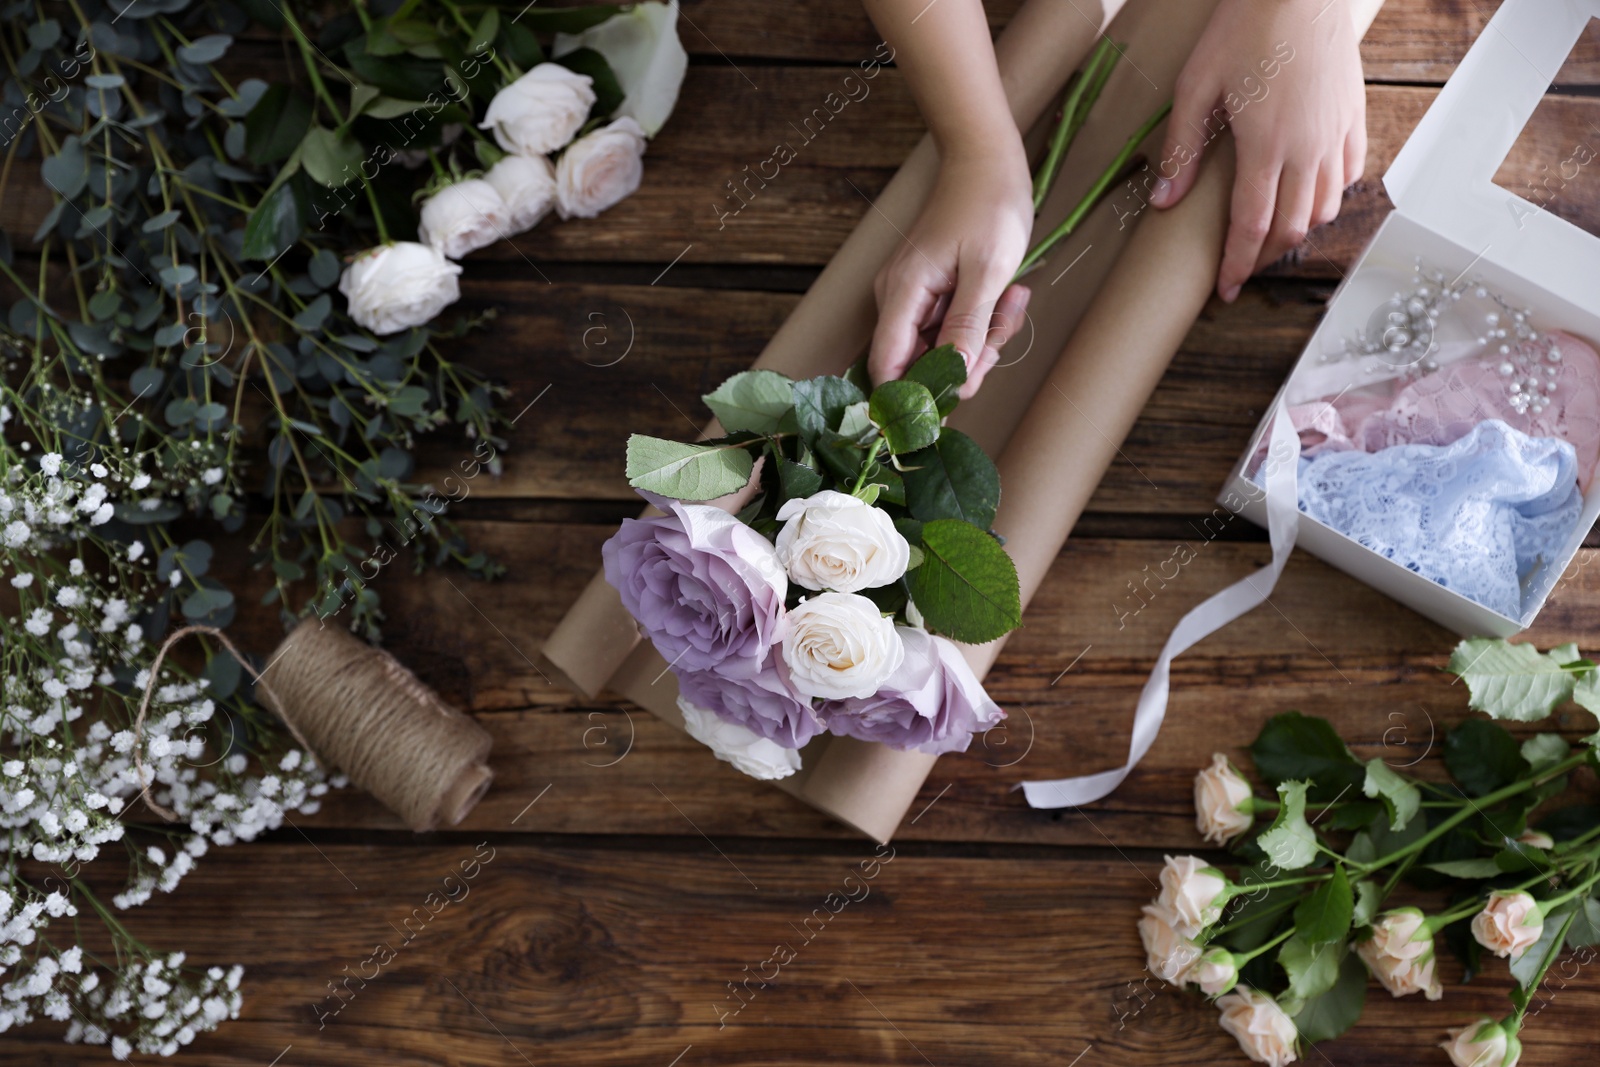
(1442, 177)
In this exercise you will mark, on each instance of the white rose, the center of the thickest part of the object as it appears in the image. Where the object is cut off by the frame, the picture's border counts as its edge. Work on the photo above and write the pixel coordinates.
(1509, 924)
(1484, 1043)
(600, 170)
(1264, 1031)
(1221, 796)
(1194, 891)
(540, 111)
(642, 48)
(463, 217)
(747, 750)
(527, 184)
(839, 645)
(400, 285)
(836, 541)
(1169, 954)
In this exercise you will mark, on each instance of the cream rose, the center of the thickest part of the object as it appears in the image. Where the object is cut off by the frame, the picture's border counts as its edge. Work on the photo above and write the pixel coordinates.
(1169, 954)
(463, 217)
(396, 286)
(1264, 1031)
(1509, 924)
(1194, 891)
(1484, 1043)
(1536, 839)
(839, 645)
(1221, 801)
(1400, 954)
(540, 111)
(833, 540)
(600, 170)
(747, 750)
(1217, 972)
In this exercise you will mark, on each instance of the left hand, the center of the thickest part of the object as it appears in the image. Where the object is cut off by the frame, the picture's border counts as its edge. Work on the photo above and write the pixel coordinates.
(1299, 131)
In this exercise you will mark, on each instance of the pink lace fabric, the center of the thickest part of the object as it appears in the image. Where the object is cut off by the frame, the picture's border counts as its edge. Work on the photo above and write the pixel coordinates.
(1443, 407)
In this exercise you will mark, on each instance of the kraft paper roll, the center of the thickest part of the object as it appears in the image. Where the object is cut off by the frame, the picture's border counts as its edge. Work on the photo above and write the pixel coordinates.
(1055, 423)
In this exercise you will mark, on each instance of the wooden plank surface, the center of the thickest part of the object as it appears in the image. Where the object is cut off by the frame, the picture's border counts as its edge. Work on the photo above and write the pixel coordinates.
(622, 955)
(633, 877)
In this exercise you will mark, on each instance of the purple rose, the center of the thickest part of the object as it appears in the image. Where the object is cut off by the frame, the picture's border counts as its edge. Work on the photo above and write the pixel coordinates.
(932, 703)
(707, 589)
(764, 702)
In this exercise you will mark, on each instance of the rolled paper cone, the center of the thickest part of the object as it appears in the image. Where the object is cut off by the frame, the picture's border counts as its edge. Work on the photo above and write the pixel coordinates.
(366, 714)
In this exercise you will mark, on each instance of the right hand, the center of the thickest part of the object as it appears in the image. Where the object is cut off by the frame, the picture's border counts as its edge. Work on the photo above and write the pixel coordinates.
(950, 280)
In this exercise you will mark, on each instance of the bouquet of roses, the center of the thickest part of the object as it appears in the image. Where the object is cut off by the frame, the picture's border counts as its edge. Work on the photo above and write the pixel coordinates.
(814, 565)
(1286, 944)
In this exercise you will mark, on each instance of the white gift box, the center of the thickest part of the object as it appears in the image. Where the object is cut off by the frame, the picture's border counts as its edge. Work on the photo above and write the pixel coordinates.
(1449, 213)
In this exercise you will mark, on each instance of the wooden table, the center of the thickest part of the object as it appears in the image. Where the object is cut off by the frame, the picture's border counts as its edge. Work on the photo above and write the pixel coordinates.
(633, 881)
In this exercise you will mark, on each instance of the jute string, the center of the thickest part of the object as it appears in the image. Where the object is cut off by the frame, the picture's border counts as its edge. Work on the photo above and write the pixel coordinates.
(361, 711)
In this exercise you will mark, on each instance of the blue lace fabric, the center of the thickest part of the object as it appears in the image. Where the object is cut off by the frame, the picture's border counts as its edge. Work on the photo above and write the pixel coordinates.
(1476, 515)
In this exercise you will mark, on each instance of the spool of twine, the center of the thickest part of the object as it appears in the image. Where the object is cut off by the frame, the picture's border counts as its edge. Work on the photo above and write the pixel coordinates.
(365, 713)
(358, 709)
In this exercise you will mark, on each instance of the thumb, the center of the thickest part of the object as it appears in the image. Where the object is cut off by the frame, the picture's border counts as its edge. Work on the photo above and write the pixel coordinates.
(966, 324)
(1191, 126)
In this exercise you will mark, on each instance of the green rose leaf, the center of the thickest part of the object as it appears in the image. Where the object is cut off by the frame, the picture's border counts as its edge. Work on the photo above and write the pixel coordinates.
(276, 222)
(1586, 925)
(953, 478)
(1327, 1016)
(1587, 692)
(797, 480)
(1401, 799)
(856, 423)
(1509, 681)
(1293, 746)
(1327, 913)
(1483, 757)
(754, 400)
(330, 157)
(966, 587)
(1289, 842)
(819, 404)
(1369, 897)
(276, 124)
(1482, 867)
(906, 414)
(944, 372)
(1545, 750)
(687, 471)
(1528, 967)
(1313, 968)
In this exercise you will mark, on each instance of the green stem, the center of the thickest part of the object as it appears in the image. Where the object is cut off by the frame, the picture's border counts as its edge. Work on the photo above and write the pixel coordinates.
(1074, 110)
(1577, 890)
(866, 465)
(377, 212)
(1251, 920)
(1096, 191)
(1466, 812)
(1243, 958)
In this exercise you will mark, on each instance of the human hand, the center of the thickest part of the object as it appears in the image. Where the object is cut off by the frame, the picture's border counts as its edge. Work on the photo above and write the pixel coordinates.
(1286, 75)
(950, 280)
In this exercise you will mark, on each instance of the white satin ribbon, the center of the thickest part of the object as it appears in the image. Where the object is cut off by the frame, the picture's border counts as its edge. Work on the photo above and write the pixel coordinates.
(1283, 523)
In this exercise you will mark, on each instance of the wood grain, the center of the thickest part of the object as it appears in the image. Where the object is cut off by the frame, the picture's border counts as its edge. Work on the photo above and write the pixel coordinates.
(611, 955)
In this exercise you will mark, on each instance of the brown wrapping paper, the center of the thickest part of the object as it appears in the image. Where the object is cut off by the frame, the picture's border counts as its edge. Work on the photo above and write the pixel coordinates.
(1055, 423)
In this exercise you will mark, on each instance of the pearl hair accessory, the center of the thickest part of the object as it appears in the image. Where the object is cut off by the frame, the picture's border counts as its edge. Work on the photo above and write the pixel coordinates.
(1401, 333)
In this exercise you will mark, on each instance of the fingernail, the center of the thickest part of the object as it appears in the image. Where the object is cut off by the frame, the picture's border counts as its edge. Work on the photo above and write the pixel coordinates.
(1158, 195)
(1230, 294)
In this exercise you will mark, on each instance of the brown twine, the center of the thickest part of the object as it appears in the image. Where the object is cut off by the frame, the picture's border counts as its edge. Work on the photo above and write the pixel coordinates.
(359, 709)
